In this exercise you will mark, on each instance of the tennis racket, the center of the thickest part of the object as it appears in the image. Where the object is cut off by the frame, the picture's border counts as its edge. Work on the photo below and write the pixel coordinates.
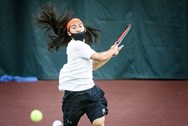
(123, 34)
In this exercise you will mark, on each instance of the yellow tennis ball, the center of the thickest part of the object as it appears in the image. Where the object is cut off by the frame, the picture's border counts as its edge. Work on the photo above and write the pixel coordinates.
(36, 115)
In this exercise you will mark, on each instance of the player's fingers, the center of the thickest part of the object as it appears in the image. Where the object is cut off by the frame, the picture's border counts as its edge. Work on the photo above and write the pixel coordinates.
(114, 46)
(121, 47)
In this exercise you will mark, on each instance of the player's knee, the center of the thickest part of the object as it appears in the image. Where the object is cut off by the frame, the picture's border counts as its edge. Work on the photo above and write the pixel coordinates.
(99, 121)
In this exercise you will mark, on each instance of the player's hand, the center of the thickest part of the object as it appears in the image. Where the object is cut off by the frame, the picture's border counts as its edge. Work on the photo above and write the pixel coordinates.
(116, 49)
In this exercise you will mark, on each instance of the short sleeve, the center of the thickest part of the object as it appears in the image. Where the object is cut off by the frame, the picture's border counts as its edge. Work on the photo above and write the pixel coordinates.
(82, 49)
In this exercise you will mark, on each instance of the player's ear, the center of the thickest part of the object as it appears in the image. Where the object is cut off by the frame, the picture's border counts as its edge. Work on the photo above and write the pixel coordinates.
(69, 34)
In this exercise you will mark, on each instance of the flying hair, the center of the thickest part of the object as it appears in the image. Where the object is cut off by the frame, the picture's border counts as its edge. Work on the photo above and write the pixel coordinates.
(56, 26)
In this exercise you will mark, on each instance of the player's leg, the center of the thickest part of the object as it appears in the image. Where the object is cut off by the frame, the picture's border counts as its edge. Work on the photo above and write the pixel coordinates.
(99, 121)
(97, 108)
(72, 108)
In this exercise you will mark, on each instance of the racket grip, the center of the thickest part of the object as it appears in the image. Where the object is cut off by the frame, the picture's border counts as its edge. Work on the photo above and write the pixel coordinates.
(117, 43)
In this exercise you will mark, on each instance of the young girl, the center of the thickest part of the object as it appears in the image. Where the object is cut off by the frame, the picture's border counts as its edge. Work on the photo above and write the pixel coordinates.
(81, 95)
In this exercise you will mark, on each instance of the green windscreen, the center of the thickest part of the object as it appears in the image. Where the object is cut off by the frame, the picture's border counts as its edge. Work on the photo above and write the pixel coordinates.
(155, 48)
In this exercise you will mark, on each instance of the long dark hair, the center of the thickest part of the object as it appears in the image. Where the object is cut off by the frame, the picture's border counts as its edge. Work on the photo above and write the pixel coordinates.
(48, 19)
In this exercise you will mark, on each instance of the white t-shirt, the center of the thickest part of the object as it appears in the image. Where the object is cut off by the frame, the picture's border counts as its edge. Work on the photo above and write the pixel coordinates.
(77, 74)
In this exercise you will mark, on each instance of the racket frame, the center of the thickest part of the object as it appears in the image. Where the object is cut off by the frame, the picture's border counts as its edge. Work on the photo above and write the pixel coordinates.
(123, 34)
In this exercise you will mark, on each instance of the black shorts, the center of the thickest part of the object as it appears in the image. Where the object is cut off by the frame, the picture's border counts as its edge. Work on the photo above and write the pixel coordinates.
(77, 103)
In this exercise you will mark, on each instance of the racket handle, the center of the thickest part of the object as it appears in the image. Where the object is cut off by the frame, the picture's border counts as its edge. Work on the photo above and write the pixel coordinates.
(117, 43)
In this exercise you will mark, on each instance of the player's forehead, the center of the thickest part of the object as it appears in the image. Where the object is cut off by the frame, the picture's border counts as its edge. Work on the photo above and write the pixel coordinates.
(76, 24)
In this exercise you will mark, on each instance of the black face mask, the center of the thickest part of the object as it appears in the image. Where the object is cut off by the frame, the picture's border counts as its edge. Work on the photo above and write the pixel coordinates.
(79, 36)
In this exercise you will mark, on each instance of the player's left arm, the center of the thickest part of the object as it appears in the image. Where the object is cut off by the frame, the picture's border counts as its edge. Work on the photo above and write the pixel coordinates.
(98, 64)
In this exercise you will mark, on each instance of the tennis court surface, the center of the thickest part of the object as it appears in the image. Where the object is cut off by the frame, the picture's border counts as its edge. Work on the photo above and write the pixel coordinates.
(131, 103)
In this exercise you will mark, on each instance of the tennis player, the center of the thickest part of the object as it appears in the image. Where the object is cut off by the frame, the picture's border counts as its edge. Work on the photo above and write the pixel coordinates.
(81, 94)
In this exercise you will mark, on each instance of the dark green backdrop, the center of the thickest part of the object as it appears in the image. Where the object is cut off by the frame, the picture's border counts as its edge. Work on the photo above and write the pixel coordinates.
(155, 48)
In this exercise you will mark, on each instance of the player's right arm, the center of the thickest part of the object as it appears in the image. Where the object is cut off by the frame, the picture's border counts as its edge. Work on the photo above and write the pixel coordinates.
(101, 58)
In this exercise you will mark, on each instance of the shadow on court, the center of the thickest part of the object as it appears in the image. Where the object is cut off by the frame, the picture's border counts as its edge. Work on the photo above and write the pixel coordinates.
(131, 103)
